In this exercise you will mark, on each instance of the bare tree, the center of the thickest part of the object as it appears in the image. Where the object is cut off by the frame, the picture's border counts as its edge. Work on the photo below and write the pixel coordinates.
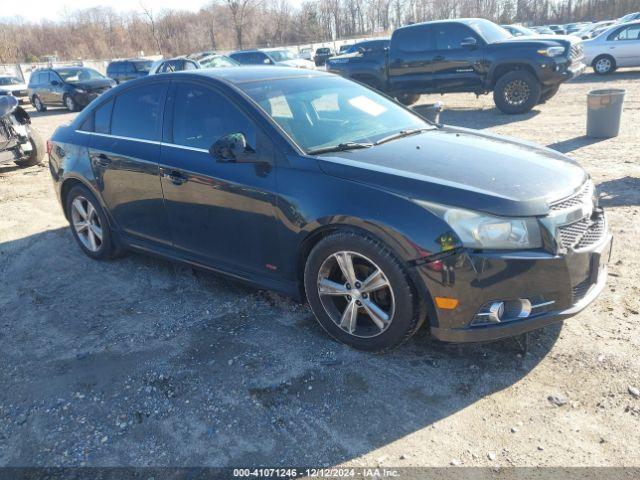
(151, 21)
(241, 11)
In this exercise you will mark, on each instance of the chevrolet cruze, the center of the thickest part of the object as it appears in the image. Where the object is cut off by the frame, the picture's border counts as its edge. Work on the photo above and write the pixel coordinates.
(315, 186)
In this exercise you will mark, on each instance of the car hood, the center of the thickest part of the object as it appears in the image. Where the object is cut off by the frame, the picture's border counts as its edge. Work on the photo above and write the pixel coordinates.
(94, 84)
(11, 88)
(464, 168)
(297, 63)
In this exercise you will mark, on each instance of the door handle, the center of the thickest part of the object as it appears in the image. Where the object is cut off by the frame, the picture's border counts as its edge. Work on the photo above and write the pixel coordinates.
(175, 177)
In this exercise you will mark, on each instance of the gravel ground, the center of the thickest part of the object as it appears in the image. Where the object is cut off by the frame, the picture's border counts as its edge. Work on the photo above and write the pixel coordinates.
(143, 362)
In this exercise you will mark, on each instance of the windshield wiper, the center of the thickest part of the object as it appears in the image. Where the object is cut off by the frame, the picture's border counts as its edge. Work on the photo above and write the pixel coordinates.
(401, 134)
(341, 147)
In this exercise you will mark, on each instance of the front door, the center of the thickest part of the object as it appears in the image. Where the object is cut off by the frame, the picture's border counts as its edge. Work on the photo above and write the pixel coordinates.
(125, 149)
(56, 89)
(221, 213)
(457, 61)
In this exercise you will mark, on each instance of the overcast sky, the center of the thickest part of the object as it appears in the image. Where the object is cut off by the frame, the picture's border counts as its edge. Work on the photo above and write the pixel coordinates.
(36, 10)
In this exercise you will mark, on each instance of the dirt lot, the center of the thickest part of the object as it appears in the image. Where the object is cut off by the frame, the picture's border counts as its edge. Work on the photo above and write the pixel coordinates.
(142, 362)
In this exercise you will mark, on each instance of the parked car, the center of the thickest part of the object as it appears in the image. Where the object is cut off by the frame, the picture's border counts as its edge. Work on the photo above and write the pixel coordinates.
(572, 28)
(271, 56)
(630, 17)
(12, 85)
(519, 30)
(322, 55)
(306, 53)
(593, 29)
(543, 30)
(19, 143)
(320, 188)
(123, 70)
(471, 55)
(70, 87)
(618, 46)
(558, 29)
(179, 64)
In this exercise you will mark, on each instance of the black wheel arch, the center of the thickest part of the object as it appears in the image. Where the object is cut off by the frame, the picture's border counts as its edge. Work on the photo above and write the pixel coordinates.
(501, 69)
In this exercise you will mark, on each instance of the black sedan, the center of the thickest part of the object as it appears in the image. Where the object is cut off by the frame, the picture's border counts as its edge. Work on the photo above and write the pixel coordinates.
(70, 87)
(315, 186)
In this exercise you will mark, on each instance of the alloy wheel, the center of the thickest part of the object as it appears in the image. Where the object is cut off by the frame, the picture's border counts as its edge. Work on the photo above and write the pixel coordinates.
(516, 93)
(603, 65)
(69, 104)
(86, 222)
(356, 294)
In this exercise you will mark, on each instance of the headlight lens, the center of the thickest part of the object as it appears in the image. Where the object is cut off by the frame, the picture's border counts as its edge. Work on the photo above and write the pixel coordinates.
(551, 51)
(480, 230)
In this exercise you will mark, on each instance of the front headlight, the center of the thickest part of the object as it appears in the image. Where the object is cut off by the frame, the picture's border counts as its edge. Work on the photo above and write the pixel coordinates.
(480, 230)
(551, 51)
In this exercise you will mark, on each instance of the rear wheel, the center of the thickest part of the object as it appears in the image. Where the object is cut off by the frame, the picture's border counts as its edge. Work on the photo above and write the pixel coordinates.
(517, 91)
(89, 224)
(361, 293)
(37, 150)
(408, 98)
(604, 64)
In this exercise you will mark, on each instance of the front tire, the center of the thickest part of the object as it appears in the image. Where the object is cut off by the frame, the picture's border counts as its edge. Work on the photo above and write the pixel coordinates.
(604, 65)
(37, 104)
(89, 224)
(37, 151)
(361, 293)
(517, 91)
(70, 103)
(408, 99)
(548, 94)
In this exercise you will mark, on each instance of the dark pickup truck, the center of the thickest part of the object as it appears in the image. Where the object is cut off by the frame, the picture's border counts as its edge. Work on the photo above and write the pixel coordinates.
(467, 55)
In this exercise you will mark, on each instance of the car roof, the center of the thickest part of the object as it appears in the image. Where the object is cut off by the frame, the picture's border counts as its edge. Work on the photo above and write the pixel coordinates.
(247, 74)
(466, 21)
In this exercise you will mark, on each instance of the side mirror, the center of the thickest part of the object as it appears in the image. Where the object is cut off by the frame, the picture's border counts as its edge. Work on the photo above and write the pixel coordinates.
(360, 50)
(233, 148)
(470, 43)
(267, 61)
(55, 82)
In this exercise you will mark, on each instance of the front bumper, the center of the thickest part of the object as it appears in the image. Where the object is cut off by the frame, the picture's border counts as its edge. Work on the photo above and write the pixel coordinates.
(559, 71)
(566, 283)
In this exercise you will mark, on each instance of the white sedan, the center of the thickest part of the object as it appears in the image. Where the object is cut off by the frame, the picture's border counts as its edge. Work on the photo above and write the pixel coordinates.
(12, 85)
(618, 46)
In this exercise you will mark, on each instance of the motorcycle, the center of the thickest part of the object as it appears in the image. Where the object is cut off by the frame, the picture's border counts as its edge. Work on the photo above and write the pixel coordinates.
(19, 143)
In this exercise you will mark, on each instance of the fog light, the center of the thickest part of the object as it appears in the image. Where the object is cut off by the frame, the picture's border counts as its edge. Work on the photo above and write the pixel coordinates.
(496, 310)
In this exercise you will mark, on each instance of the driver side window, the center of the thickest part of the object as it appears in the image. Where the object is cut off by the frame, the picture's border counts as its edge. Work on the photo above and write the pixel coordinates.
(629, 33)
(201, 116)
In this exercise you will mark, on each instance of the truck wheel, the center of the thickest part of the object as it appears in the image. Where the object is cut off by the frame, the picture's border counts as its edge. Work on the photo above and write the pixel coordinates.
(37, 151)
(408, 98)
(517, 91)
(548, 94)
(604, 64)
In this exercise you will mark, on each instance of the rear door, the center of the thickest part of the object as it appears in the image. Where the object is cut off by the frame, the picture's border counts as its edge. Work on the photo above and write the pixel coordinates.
(125, 149)
(221, 213)
(410, 58)
(456, 67)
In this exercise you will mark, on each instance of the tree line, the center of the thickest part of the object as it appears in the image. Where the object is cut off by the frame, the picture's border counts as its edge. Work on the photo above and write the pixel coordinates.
(103, 33)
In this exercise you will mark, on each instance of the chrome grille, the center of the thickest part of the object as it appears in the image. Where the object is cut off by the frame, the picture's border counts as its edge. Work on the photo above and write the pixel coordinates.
(576, 51)
(574, 200)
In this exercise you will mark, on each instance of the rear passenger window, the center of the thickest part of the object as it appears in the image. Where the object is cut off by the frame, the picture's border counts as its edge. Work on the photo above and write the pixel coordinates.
(103, 117)
(415, 39)
(201, 116)
(136, 112)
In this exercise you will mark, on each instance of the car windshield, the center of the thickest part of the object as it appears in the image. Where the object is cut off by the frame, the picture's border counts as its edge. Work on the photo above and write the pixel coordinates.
(281, 55)
(75, 75)
(143, 66)
(10, 81)
(489, 31)
(218, 61)
(329, 111)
